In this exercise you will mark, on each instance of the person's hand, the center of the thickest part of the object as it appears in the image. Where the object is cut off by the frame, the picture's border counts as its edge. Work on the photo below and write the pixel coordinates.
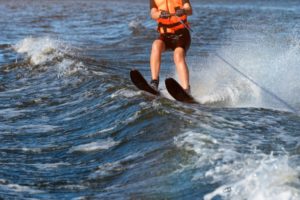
(180, 12)
(164, 14)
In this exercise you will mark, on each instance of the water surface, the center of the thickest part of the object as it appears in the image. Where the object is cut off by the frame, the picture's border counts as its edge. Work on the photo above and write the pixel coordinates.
(72, 125)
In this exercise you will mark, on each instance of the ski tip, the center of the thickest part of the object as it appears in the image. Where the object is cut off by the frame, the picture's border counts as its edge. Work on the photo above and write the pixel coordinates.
(134, 72)
(177, 92)
(140, 82)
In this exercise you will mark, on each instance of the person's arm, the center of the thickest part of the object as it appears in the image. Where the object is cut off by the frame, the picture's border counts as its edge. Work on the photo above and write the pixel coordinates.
(187, 7)
(155, 13)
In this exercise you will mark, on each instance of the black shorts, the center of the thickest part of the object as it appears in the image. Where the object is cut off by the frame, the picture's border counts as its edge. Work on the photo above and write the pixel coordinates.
(180, 38)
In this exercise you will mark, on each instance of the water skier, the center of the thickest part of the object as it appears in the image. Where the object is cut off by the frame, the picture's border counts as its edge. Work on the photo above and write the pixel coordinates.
(174, 34)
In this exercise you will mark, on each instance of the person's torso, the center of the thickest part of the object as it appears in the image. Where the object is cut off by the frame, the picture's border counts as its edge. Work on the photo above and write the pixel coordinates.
(173, 23)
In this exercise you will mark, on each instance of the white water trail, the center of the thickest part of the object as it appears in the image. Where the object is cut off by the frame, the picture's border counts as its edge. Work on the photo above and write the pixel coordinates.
(272, 62)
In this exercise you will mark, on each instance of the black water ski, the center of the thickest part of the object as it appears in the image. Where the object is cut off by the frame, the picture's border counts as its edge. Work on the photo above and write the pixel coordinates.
(177, 92)
(140, 82)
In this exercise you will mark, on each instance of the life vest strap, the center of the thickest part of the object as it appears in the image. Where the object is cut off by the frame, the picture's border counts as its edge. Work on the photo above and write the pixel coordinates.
(171, 25)
(169, 28)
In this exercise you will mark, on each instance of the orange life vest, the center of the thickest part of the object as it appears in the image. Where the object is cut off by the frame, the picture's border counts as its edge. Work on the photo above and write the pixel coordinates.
(172, 24)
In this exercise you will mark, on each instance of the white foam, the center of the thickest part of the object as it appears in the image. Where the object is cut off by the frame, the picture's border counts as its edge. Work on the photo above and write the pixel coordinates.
(45, 166)
(5, 185)
(73, 187)
(101, 132)
(39, 50)
(133, 118)
(20, 188)
(271, 178)
(203, 145)
(33, 150)
(98, 73)
(95, 146)
(124, 93)
(40, 128)
(251, 176)
(68, 67)
(79, 198)
(106, 170)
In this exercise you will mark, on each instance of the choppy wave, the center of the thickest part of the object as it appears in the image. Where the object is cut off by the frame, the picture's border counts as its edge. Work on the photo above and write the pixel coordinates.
(271, 178)
(45, 50)
(253, 175)
(73, 126)
(104, 132)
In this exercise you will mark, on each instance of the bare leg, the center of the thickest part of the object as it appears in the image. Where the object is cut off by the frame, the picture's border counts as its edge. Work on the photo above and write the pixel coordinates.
(158, 47)
(181, 66)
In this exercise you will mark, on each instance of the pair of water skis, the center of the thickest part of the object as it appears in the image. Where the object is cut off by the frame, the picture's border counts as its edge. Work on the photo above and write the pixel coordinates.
(173, 87)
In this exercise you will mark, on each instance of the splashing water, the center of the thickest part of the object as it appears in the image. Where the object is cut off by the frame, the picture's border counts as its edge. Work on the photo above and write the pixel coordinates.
(271, 62)
(38, 50)
(42, 50)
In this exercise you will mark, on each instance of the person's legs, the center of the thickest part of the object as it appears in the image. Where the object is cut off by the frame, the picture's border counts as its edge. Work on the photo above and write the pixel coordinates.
(158, 47)
(181, 66)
